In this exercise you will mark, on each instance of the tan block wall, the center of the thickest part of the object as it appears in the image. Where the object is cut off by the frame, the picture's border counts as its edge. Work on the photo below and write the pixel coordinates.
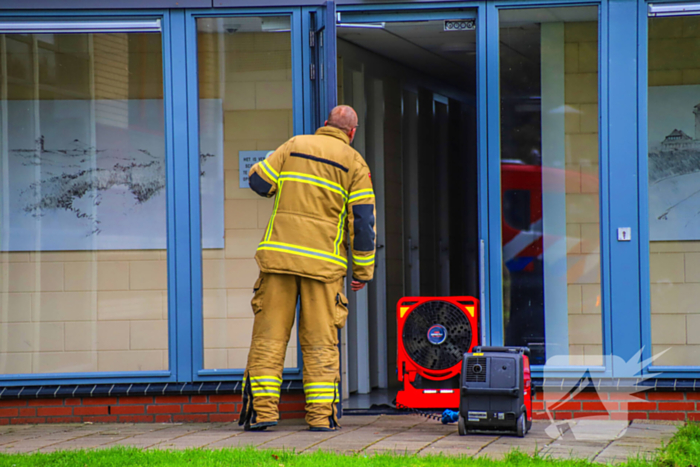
(675, 266)
(83, 311)
(252, 74)
(582, 202)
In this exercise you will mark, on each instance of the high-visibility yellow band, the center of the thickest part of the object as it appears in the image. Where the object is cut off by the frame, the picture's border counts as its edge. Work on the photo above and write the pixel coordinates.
(339, 234)
(319, 179)
(320, 385)
(259, 387)
(324, 400)
(266, 394)
(265, 378)
(352, 200)
(303, 251)
(363, 260)
(362, 192)
(322, 183)
(268, 234)
(269, 171)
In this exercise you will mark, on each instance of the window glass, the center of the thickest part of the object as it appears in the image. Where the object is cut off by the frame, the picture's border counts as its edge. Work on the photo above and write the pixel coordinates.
(549, 173)
(674, 184)
(83, 264)
(245, 110)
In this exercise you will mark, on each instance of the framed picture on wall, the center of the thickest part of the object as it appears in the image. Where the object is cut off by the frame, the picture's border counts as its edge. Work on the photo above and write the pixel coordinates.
(674, 163)
(91, 175)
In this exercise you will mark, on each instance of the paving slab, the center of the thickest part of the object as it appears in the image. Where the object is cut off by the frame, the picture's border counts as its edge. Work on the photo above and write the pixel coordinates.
(600, 440)
(243, 438)
(168, 433)
(462, 445)
(641, 439)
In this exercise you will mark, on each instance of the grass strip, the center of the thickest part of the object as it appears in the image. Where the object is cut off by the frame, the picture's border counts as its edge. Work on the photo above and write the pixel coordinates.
(119, 457)
(683, 450)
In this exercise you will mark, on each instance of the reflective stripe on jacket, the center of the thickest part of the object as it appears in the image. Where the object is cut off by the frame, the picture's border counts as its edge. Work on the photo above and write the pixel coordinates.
(323, 199)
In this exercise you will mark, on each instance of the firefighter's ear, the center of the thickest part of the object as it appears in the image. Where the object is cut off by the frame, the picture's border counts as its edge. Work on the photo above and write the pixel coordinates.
(325, 123)
(351, 134)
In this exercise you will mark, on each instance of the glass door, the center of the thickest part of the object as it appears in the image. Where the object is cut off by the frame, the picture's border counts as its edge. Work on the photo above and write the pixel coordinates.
(245, 91)
(550, 162)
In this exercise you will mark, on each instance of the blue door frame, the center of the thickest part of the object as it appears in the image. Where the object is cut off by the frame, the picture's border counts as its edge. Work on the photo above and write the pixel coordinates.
(623, 171)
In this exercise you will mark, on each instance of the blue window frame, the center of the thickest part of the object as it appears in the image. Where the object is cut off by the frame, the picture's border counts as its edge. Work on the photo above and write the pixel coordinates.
(623, 173)
(643, 187)
(178, 272)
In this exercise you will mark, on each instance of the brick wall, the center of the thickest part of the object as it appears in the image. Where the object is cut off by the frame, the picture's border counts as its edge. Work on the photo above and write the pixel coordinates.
(158, 409)
(226, 408)
(618, 406)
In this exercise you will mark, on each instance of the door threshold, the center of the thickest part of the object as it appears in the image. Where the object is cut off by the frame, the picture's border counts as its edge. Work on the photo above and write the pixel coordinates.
(377, 409)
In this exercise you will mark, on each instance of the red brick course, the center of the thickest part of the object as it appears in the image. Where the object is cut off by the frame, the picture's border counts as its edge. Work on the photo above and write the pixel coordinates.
(91, 410)
(160, 409)
(677, 406)
(226, 407)
(618, 406)
(165, 408)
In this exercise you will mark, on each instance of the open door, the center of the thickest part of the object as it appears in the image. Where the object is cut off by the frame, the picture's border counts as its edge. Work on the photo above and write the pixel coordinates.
(411, 76)
(321, 89)
(323, 67)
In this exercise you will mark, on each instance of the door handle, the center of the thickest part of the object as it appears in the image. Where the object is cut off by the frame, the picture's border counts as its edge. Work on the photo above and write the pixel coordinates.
(411, 249)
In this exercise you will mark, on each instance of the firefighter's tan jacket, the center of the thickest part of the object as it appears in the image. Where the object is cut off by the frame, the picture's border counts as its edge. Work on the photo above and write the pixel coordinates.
(324, 198)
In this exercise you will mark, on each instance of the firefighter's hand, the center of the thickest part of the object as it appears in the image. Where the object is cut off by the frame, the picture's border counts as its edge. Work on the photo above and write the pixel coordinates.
(356, 286)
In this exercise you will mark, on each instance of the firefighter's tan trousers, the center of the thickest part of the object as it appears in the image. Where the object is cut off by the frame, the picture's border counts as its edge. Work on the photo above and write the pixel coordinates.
(323, 311)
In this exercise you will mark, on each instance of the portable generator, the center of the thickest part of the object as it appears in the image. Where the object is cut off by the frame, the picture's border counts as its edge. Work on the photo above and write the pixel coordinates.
(434, 333)
(496, 391)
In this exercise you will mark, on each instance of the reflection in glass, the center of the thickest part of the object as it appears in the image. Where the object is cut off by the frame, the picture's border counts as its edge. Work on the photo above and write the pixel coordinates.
(549, 183)
(674, 181)
(83, 266)
(245, 109)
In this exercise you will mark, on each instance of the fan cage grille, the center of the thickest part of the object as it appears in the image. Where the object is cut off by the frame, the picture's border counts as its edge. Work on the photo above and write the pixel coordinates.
(437, 356)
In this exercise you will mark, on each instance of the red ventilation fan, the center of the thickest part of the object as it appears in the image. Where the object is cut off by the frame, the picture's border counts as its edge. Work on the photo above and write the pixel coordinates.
(434, 334)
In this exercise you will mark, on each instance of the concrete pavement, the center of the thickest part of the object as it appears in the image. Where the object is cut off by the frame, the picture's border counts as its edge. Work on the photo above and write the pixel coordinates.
(597, 440)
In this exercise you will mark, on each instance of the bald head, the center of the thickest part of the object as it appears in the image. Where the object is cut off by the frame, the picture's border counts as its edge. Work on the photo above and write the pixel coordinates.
(343, 117)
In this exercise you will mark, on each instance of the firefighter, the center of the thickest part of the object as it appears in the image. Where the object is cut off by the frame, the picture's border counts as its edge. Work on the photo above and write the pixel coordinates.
(323, 200)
